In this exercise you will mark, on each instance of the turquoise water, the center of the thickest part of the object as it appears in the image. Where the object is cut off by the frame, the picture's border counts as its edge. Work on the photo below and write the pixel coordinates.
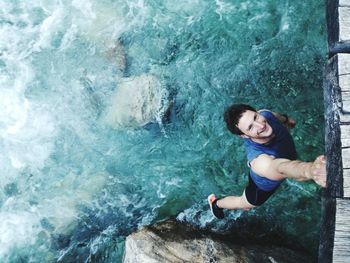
(111, 118)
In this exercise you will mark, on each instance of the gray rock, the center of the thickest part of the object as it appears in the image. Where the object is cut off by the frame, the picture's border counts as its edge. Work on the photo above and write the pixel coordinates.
(137, 101)
(175, 242)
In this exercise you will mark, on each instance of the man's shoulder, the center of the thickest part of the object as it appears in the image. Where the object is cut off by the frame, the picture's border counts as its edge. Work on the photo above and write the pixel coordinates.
(267, 113)
(261, 164)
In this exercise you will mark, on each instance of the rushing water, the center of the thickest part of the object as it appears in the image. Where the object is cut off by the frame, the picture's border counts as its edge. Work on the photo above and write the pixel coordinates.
(87, 156)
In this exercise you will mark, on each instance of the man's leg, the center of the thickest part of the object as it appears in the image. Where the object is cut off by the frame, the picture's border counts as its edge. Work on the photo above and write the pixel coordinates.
(235, 202)
(251, 197)
(228, 202)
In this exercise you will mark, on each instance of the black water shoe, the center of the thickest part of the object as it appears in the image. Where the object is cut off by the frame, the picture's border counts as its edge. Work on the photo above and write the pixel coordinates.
(216, 211)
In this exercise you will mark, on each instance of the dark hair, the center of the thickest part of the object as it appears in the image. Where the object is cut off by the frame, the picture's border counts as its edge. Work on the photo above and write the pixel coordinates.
(232, 116)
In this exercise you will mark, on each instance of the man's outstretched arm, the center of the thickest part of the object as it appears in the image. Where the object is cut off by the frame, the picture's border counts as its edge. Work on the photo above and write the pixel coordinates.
(277, 169)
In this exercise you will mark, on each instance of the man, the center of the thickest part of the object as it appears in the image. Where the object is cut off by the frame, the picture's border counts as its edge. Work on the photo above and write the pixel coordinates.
(271, 157)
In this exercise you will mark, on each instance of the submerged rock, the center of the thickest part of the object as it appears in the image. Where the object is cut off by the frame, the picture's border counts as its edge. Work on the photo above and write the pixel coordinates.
(172, 241)
(137, 101)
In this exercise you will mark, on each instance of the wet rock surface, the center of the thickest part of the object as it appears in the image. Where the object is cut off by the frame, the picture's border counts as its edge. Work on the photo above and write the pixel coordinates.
(173, 241)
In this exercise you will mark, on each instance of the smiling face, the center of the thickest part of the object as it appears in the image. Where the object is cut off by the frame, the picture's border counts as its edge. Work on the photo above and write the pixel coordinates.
(255, 127)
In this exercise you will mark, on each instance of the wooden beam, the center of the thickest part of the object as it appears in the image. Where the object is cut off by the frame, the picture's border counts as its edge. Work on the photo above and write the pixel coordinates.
(343, 64)
(346, 182)
(341, 251)
(346, 158)
(345, 135)
(344, 3)
(344, 118)
(344, 22)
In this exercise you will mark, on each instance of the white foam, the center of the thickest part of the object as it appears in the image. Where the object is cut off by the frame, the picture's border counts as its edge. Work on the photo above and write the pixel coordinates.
(49, 27)
(25, 127)
(28, 136)
(17, 229)
(183, 6)
(69, 37)
(85, 7)
(223, 8)
(48, 5)
(101, 23)
(285, 20)
(14, 111)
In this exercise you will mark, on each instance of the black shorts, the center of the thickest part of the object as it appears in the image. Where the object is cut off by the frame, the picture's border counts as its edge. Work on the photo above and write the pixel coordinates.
(256, 196)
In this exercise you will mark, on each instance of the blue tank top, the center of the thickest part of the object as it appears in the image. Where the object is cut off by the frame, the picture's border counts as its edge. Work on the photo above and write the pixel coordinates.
(281, 146)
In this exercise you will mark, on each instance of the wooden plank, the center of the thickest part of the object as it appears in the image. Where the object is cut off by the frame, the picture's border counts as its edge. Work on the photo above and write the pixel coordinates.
(344, 78)
(341, 251)
(346, 101)
(344, 82)
(346, 182)
(344, 2)
(344, 117)
(345, 153)
(345, 135)
(343, 64)
(344, 23)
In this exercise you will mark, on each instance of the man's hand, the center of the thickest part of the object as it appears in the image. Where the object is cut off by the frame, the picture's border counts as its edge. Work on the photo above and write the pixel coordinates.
(317, 171)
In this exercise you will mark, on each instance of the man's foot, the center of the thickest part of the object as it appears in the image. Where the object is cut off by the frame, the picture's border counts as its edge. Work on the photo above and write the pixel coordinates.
(216, 211)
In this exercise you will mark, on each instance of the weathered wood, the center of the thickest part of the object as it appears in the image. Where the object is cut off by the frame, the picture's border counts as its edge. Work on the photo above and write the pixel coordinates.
(332, 102)
(343, 64)
(344, 78)
(346, 158)
(346, 181)
(341, 251)
(332, 99)
(344, 23)
(325, 250)
(332, 23)
(346, 101)
(344, 82)
(344, 117)
(339, 47)
(344, 2)
(345, 135)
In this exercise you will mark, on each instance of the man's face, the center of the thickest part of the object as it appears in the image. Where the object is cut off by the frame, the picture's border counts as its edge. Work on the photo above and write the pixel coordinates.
(254, 126)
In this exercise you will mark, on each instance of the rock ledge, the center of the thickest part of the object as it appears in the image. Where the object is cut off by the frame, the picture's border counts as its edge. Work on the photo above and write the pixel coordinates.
(175, 242)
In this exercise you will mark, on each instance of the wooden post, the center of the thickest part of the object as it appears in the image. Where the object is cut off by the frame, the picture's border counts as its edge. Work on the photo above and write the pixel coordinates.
(335, 224)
